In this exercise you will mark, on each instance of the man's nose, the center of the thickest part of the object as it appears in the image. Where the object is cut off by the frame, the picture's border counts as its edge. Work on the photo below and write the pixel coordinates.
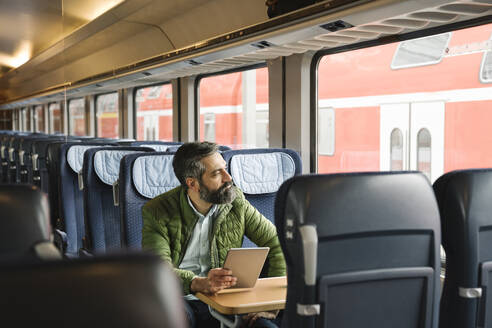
(226, 176)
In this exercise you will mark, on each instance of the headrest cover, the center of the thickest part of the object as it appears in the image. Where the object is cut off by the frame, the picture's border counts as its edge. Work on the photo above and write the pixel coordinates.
(75, 156)
(154, 175)
(261, 173)
(157, 147)
(107, 164)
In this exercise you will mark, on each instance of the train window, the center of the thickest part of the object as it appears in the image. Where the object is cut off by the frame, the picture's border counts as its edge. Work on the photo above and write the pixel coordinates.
(154, 108)
(234, 109)
(417, 118)
(326, 131)
(55, 118)
(39, 124)
(396, 151)
(486, 69)
(423, 51)
(424, 152)
(27, 119)
(107, 115)
(76, 117)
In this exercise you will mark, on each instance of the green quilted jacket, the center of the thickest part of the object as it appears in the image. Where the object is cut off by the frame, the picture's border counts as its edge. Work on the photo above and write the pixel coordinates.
(168, 222)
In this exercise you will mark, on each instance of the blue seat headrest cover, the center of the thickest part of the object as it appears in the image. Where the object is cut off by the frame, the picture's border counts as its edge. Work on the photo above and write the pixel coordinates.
(107, 164)
(154, 175)
(261, 173)
(75, 156)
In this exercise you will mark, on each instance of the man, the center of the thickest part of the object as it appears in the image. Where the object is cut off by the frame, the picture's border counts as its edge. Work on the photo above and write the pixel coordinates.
(194, 225)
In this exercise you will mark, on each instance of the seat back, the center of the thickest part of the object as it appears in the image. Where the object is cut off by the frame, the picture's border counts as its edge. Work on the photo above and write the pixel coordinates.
(259, 173)
(13, 157)
(25, 230)
(131, 291)
(102, 218)
(464, 201)
(39, 156)
(26, 155)
(362, 250)
(4, 155)
(71, 197)
(142, 177)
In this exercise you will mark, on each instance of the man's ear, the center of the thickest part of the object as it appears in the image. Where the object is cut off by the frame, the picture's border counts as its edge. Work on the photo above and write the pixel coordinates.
(192, 184)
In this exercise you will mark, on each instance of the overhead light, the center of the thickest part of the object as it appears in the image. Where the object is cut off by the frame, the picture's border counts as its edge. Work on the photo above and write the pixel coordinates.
(21, 55)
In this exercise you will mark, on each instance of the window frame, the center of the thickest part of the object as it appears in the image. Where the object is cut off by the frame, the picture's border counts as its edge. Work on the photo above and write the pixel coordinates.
(69, 116)
(96, 125)
(135, 90)
(203, 76)
(313, 154)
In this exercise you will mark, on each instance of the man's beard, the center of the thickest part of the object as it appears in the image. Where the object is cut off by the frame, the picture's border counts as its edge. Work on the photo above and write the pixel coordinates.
(223, 195)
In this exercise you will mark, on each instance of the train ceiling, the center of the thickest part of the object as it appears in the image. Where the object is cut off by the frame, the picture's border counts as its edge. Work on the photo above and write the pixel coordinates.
(138, 42)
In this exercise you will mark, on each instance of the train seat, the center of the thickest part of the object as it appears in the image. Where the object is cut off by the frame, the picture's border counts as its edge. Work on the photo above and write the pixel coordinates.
(362, 250)
(464, 201)
(67, 160)
(259, 173)
(142, 177)
(101, 170)
(4, 150)
(26, 152)
(25, 230)
(13, 157)
(119, 291)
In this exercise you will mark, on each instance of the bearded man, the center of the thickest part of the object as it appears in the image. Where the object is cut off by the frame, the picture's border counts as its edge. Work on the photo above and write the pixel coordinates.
(194, 225)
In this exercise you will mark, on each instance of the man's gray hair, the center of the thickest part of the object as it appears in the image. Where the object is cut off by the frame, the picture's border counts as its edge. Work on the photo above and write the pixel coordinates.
(186, 161)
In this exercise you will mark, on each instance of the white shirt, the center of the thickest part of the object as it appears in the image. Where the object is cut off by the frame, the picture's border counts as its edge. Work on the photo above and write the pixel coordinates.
(197, 255)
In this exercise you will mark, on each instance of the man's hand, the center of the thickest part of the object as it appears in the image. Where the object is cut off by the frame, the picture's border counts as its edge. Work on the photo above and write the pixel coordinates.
(250, 318)
(216, 280)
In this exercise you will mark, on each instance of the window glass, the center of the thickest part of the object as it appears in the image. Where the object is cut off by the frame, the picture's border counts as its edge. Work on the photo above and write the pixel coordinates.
(27, 119)
(422, 51)
(432, 118)
(326, 131)
(55, 118)
(424, 152)
(39, 118)
(486, 70)
(107, 115)
(234, 109)
(154, 106)
(396, 150)
(76, 117)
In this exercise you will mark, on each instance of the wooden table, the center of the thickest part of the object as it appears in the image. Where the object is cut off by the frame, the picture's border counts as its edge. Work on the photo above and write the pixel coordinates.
(267, 295)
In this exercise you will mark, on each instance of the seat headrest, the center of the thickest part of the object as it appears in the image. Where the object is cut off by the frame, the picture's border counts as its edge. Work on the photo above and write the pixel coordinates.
(107, 164)
(154, 175)
(75, 156)
(261, 173)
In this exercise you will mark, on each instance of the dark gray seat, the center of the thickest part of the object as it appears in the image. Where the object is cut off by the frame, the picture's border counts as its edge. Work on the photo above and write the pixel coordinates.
(130, 291)
(25, 230)
(362, 250)
(464, 199)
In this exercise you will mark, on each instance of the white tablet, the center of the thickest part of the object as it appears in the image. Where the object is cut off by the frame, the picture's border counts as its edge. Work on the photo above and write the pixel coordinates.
(246, 265)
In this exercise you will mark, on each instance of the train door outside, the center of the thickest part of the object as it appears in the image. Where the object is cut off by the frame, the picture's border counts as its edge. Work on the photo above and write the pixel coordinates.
(412, 138)
(151, 127)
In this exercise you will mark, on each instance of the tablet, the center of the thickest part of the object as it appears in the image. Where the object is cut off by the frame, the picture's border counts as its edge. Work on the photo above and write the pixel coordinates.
(246, 265)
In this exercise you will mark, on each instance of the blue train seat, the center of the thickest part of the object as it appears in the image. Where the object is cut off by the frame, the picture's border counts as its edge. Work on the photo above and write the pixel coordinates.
(101, 170)
(26, 152)
(362, 250)
(69, 163)
(25, 230)
(4, 154)
(13, 157)
(119, 291)
(259, 173)
(142, 177)
(464, 201)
